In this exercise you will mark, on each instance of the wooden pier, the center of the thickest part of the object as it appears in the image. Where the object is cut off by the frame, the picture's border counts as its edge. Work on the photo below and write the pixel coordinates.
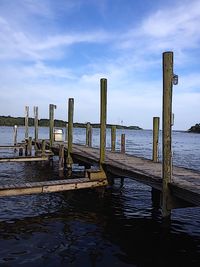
(174, 187)
(185, 185)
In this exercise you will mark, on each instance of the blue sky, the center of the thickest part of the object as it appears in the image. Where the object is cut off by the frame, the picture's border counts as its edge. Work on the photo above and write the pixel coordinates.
(52, 50)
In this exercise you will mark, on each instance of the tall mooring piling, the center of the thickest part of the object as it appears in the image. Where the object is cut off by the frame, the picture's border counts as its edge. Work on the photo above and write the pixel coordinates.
(103, 112)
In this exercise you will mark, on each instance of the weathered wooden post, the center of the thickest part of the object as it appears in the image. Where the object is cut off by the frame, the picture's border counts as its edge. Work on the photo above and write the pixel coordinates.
(51, 123)
(88, 134)
(155, 194)
(61, 157)
(26, 121)
(29, 147)
(70, 132)
(156, 122)
(103, 85)
(113, 138)
(43, 147)
(21, 151)
(123, 143)
(35, 110)
(15, 135)
(26, 148)
(166, 132)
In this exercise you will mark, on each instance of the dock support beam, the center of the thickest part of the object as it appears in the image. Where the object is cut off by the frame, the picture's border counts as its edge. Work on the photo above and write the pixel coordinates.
(155, 197)
(51, 123)
(113, 138)
(166, 131)
(156, 122)
(70, 132)
(26, 121)
(35, 110)
(103, 85)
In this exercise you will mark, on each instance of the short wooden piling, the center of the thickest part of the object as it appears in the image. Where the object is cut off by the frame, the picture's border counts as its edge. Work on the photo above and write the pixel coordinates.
(29, 148)
(26, 148)
(43, 147)
(51, 123)
(35, 110)
(123, 143)
(166, 132)
(88, 134)
(113, 138)
(26, 121)
(70, 131)
(61, 157)
(15, 135)
(20, 151)
(156, 122)
(103, 85)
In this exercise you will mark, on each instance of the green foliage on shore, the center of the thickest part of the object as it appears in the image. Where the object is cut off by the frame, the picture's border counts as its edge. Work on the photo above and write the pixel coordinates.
(195, 128)
(19, 121)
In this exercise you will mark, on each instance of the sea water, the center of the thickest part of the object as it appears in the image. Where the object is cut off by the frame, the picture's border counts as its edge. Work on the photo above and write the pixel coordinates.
(82, 228)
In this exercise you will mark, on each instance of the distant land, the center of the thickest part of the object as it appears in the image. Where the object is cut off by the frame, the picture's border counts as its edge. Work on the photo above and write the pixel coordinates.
(195, 128)
(19, 121)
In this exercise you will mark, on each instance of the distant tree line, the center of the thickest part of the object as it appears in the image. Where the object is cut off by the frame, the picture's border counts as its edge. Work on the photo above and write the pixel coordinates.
(195, 128)
(19, 121)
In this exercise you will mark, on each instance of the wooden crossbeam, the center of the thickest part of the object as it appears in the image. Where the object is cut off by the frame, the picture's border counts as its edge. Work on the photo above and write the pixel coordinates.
(49, 186)
(24, 159)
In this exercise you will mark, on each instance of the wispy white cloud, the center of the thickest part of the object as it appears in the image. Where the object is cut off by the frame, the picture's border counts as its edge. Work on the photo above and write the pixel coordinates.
(175, 27)
(18, 44)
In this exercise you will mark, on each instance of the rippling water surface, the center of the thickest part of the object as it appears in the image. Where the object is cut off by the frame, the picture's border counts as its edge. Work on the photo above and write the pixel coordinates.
(83, 228)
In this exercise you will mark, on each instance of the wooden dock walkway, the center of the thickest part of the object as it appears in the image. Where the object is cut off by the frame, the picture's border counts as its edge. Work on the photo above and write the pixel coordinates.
(185, 183)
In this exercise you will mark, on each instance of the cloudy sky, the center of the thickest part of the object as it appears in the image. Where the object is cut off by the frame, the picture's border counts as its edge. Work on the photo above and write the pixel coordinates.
(52, 50)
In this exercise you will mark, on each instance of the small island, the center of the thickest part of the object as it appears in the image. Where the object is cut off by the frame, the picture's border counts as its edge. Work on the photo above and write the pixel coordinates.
(195, 128)
(19, 121)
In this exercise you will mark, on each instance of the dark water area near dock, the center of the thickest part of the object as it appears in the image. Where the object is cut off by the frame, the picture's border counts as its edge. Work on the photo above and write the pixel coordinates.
(82, 228)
